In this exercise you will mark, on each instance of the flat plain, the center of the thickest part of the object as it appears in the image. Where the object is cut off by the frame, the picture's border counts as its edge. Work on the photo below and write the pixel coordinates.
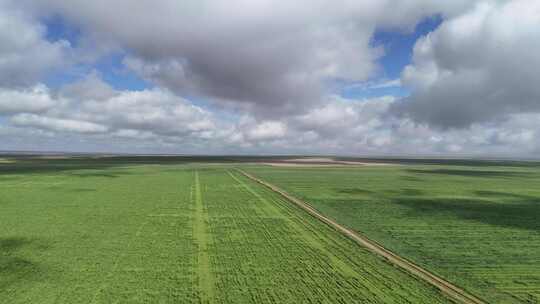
(474, 223)
(103, 231)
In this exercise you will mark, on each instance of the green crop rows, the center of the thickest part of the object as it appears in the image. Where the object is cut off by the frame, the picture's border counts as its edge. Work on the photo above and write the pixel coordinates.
(477, 226)
(176, 234)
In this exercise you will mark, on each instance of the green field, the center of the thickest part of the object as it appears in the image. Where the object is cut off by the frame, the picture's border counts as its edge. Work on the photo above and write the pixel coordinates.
(102, 231)
(476, 223)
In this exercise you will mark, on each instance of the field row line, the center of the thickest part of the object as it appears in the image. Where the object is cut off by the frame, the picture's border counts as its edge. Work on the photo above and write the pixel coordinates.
(444, 286)
(299, 226)
(206, 281)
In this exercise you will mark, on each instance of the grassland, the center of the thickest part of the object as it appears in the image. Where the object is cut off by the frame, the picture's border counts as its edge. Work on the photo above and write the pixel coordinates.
(476, 224)
(94, 231)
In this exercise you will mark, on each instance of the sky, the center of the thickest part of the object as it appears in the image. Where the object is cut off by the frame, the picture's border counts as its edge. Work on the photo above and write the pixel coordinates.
(318, 77)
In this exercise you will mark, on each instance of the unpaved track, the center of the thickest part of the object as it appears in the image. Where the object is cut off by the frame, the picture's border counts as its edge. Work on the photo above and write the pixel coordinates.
(200, 233)
(451, 290)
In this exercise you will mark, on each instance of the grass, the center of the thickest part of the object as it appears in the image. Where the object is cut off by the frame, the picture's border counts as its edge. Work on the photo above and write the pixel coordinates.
(476, 225)
(116, 232)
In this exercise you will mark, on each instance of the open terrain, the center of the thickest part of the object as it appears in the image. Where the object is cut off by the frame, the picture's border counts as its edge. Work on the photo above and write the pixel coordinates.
(145, 230)
(474, 223)
(446, 287)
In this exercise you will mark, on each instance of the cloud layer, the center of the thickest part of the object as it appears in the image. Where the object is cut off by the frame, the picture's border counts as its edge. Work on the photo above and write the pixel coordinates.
(267, 57)
(156, 120)
(260, 77)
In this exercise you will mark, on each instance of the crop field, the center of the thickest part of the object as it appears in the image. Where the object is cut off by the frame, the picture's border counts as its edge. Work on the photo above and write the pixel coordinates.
(477, 225)
(100, 232)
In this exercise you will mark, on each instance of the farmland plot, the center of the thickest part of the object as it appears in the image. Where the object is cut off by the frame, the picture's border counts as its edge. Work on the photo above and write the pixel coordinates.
(264, 250)
(476, 226)
(99, 236)
(177, 234)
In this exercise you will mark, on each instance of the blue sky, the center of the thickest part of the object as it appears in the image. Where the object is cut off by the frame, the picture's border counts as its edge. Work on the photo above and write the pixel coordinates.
(398, 48)
(398, 45)
(59, 29)
(109, 67)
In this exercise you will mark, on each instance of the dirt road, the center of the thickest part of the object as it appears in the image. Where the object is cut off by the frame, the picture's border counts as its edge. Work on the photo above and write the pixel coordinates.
(452, 291)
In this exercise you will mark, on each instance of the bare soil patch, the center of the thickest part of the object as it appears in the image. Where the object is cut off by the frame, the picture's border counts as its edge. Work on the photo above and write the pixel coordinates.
(319, 162)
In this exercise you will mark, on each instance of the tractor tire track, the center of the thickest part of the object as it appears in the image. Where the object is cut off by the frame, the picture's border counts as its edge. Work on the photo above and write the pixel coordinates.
(206, 279)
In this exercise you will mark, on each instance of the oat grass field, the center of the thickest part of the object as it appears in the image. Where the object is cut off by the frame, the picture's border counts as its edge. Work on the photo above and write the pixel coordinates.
(143, 230)
(475, 223)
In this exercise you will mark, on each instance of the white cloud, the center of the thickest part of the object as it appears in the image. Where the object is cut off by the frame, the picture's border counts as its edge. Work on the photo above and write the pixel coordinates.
(91, 106)
(57, 124)
(261, 73)
(158, 121)
(35, 99)
(267, 130)
(134, 134)
(477, 66)
(156, 110)
(25, 54)
(340, 117)
(374, 85)
(269, 58)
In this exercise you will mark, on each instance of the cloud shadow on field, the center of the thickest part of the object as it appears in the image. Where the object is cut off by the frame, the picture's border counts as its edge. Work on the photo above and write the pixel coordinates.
(14, 178)
(98, 174)
(353, 191)
(470, 173)
(83, 190)
(102, 165)
(411, 178)
(15, 269)
(505, 195)
(405, 192)
(522, 212)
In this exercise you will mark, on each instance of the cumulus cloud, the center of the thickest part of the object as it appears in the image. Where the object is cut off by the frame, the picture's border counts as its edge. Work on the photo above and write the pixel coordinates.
(365, 127)
(92, 106)
(267, 130)
(155, 110)
(341, 117)
(25, 54)
(35, 99)
(255, 80)
(158, 121)
(91, 87)
(57, 124)
(268, 57)
(477, 67)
